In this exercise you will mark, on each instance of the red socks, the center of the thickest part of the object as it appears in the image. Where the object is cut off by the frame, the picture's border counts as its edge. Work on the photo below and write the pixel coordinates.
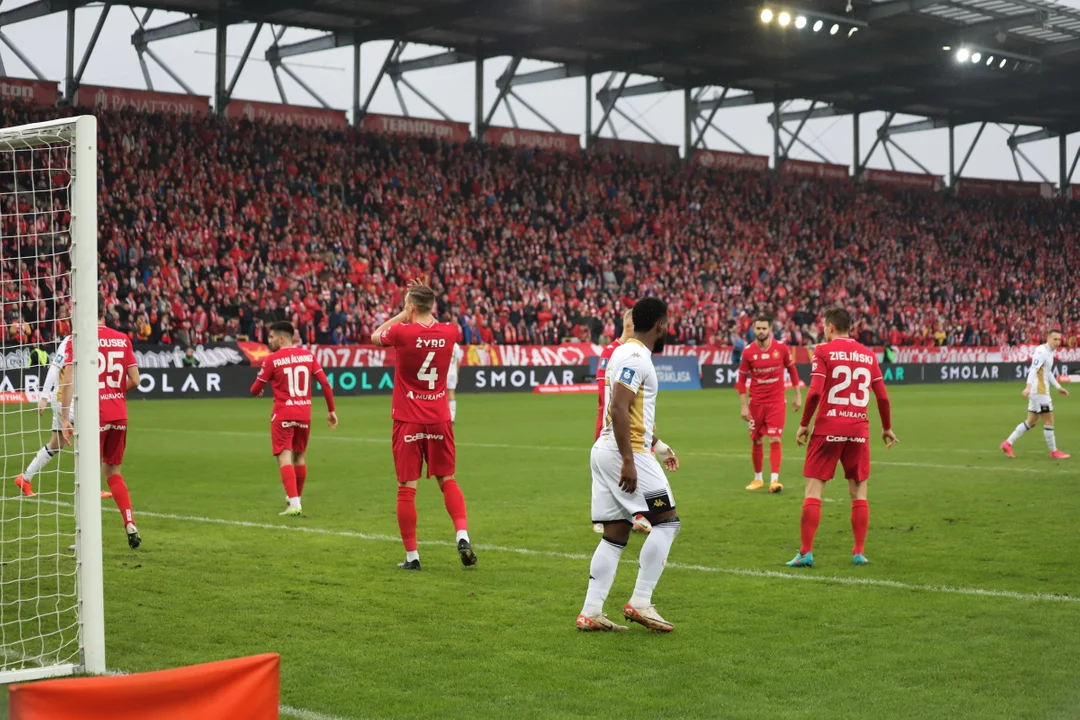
(757, 452)
(119, 491)
(811, 518)
(776, 454)
(301, 478)
(455, 504)
(860, 520)
(288, 479)
(406, 516)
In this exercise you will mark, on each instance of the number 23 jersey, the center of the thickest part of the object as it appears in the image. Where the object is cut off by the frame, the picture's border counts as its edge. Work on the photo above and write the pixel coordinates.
(850, 371)
(423, 360)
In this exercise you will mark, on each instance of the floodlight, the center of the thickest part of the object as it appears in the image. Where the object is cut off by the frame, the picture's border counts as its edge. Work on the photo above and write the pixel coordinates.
(1003, 61)
(963, 54)
(852, 31)
(834, 29)
(976, 57)
(800, 22)
(818, 25)
(766, 16)
(990, 61)
(784, 18)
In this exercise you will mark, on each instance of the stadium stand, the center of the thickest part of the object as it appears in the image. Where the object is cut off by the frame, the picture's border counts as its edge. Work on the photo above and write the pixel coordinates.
(209, 228)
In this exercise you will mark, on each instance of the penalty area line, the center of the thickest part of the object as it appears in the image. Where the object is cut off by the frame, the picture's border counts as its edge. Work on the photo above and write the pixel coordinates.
(742, 572)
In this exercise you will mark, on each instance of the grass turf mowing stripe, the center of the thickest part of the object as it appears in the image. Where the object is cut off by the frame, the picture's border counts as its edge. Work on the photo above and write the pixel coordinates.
(770, 574)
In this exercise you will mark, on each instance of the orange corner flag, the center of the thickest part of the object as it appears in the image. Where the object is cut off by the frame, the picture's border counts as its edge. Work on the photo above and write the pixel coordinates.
(242, 688)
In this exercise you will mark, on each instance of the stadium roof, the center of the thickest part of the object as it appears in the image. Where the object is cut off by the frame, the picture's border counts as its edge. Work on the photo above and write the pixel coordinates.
(894, 61)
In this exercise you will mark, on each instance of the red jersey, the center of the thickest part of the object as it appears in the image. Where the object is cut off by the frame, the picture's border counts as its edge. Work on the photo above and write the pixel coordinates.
(423, 362)
(843, 375)
(290, 372)
(115, 356)
(763, 372)
(601, 378)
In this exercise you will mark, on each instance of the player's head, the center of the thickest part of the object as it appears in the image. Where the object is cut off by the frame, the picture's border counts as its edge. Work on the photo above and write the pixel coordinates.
(628, 325)
(281, 335)
(651, 322)
(837, 322)
(102, 307)
(762, 327)
(1053, 338)
(419, 302)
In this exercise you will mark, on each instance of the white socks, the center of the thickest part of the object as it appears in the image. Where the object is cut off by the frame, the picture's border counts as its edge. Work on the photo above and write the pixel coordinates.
(453, 410)
(654, 554)
(294, 502)
(775, 477)
(44, 455)
(463, 535)
(1018, 432)
(411, 555)
(605, 561)
(757, 476)
(1051, 442)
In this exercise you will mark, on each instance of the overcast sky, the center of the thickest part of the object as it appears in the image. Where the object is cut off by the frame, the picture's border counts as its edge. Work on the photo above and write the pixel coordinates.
(329, 73)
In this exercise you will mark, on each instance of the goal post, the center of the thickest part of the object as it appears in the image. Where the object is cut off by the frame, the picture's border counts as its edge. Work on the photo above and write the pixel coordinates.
(52, 610)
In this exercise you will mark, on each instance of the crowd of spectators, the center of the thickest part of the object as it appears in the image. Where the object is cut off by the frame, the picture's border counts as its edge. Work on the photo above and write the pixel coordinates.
(209, 229)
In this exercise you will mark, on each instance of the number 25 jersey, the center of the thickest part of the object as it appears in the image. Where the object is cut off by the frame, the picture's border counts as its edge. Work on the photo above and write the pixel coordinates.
(423, 362)
(850, 371)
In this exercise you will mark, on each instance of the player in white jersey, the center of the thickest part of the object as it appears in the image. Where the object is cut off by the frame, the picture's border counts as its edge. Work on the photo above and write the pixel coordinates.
(49, 396)
(629, 487)
(1040, 380)
(451, 380)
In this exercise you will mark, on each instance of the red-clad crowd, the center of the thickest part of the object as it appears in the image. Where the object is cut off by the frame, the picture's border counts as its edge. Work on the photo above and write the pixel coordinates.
(210, 228)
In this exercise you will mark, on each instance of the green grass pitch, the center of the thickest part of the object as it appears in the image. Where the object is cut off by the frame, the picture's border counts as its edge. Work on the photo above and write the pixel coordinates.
(970, 608)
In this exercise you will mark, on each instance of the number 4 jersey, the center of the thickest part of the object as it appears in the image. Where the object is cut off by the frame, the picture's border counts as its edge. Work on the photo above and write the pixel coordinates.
(423, 362)
(290, 373)
(842, 378)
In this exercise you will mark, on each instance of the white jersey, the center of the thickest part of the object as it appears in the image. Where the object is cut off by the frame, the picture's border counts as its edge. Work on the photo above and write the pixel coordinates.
(1041, 375)
(52, 381)
(631, 366)
(455, 359)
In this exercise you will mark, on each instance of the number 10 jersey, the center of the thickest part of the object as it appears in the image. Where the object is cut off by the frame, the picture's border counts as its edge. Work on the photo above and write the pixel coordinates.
(291, 373)
(850, 371)
(423, 360)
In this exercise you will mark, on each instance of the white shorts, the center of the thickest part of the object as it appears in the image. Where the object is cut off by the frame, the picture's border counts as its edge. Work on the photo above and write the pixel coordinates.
(451, 381)
(1040, 404)
(610, 503)
(57, 426)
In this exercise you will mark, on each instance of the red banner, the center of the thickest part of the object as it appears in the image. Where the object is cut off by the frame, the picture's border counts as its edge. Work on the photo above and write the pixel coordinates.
(642, 151)
(35, 92)
(1005, 353)
(1074, 191)
(312, 117)
(805, 168)
(530, 139)
(143, 101)
(457, 132)
(980, 186)
(906, 180)
(730, 160)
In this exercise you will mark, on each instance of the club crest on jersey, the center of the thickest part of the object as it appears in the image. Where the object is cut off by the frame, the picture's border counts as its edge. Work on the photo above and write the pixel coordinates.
(627, 376)
(603, 363)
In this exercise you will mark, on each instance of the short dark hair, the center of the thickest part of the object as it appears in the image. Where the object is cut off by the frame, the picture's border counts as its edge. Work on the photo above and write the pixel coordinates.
(422, 297)
(647, 312)
(102, 306)
(839, 318)
(763, 317)
(284, 327)
(1054, 330)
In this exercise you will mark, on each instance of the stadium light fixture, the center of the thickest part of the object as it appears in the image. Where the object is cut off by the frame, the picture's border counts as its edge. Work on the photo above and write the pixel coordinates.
(990, 61)
(852, 31)
(1003, 61)
(800, 22)
(784, 18)
(834, 29)
(766, 16)
(946, 48)
(818, 25)
(962, 54)
(976, 57)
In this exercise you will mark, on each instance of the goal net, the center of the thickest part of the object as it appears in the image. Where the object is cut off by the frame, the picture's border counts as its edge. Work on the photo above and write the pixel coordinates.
(51, 606)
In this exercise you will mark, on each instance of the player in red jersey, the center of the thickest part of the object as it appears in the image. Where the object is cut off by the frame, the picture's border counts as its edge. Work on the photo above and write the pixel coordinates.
(118, 373)
(289, 370)
(842, 377)
(601, 368)
(762, 369)
(423, 432)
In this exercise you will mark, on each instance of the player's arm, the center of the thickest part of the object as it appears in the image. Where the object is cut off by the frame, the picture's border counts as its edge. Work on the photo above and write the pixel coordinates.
(48, 390)
(740, 386)
(265, 373)
(327, 393)
(664, 453)
(793, 372)
(1053, 378)
(817, 388)
(67, 388)
(621, 397)
(132, 368)
(1033, 374)
(884, 408)
(383, 336)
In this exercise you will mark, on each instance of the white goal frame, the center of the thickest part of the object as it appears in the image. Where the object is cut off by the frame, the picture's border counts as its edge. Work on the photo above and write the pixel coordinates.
(81, 132)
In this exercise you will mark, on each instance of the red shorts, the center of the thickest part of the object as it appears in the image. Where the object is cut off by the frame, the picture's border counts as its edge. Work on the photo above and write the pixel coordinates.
(767, 420)
(825, 451)
(415, 444)
(289, 435)
(113, 442)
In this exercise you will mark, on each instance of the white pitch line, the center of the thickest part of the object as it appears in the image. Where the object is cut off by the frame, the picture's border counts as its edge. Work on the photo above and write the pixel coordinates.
(584, 450)
(768, 574)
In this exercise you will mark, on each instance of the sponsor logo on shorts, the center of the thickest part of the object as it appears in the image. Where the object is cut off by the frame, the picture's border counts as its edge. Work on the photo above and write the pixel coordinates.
(839, 439)
(658, 502)
(294, 424)
(423, 436)
(113, 426)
